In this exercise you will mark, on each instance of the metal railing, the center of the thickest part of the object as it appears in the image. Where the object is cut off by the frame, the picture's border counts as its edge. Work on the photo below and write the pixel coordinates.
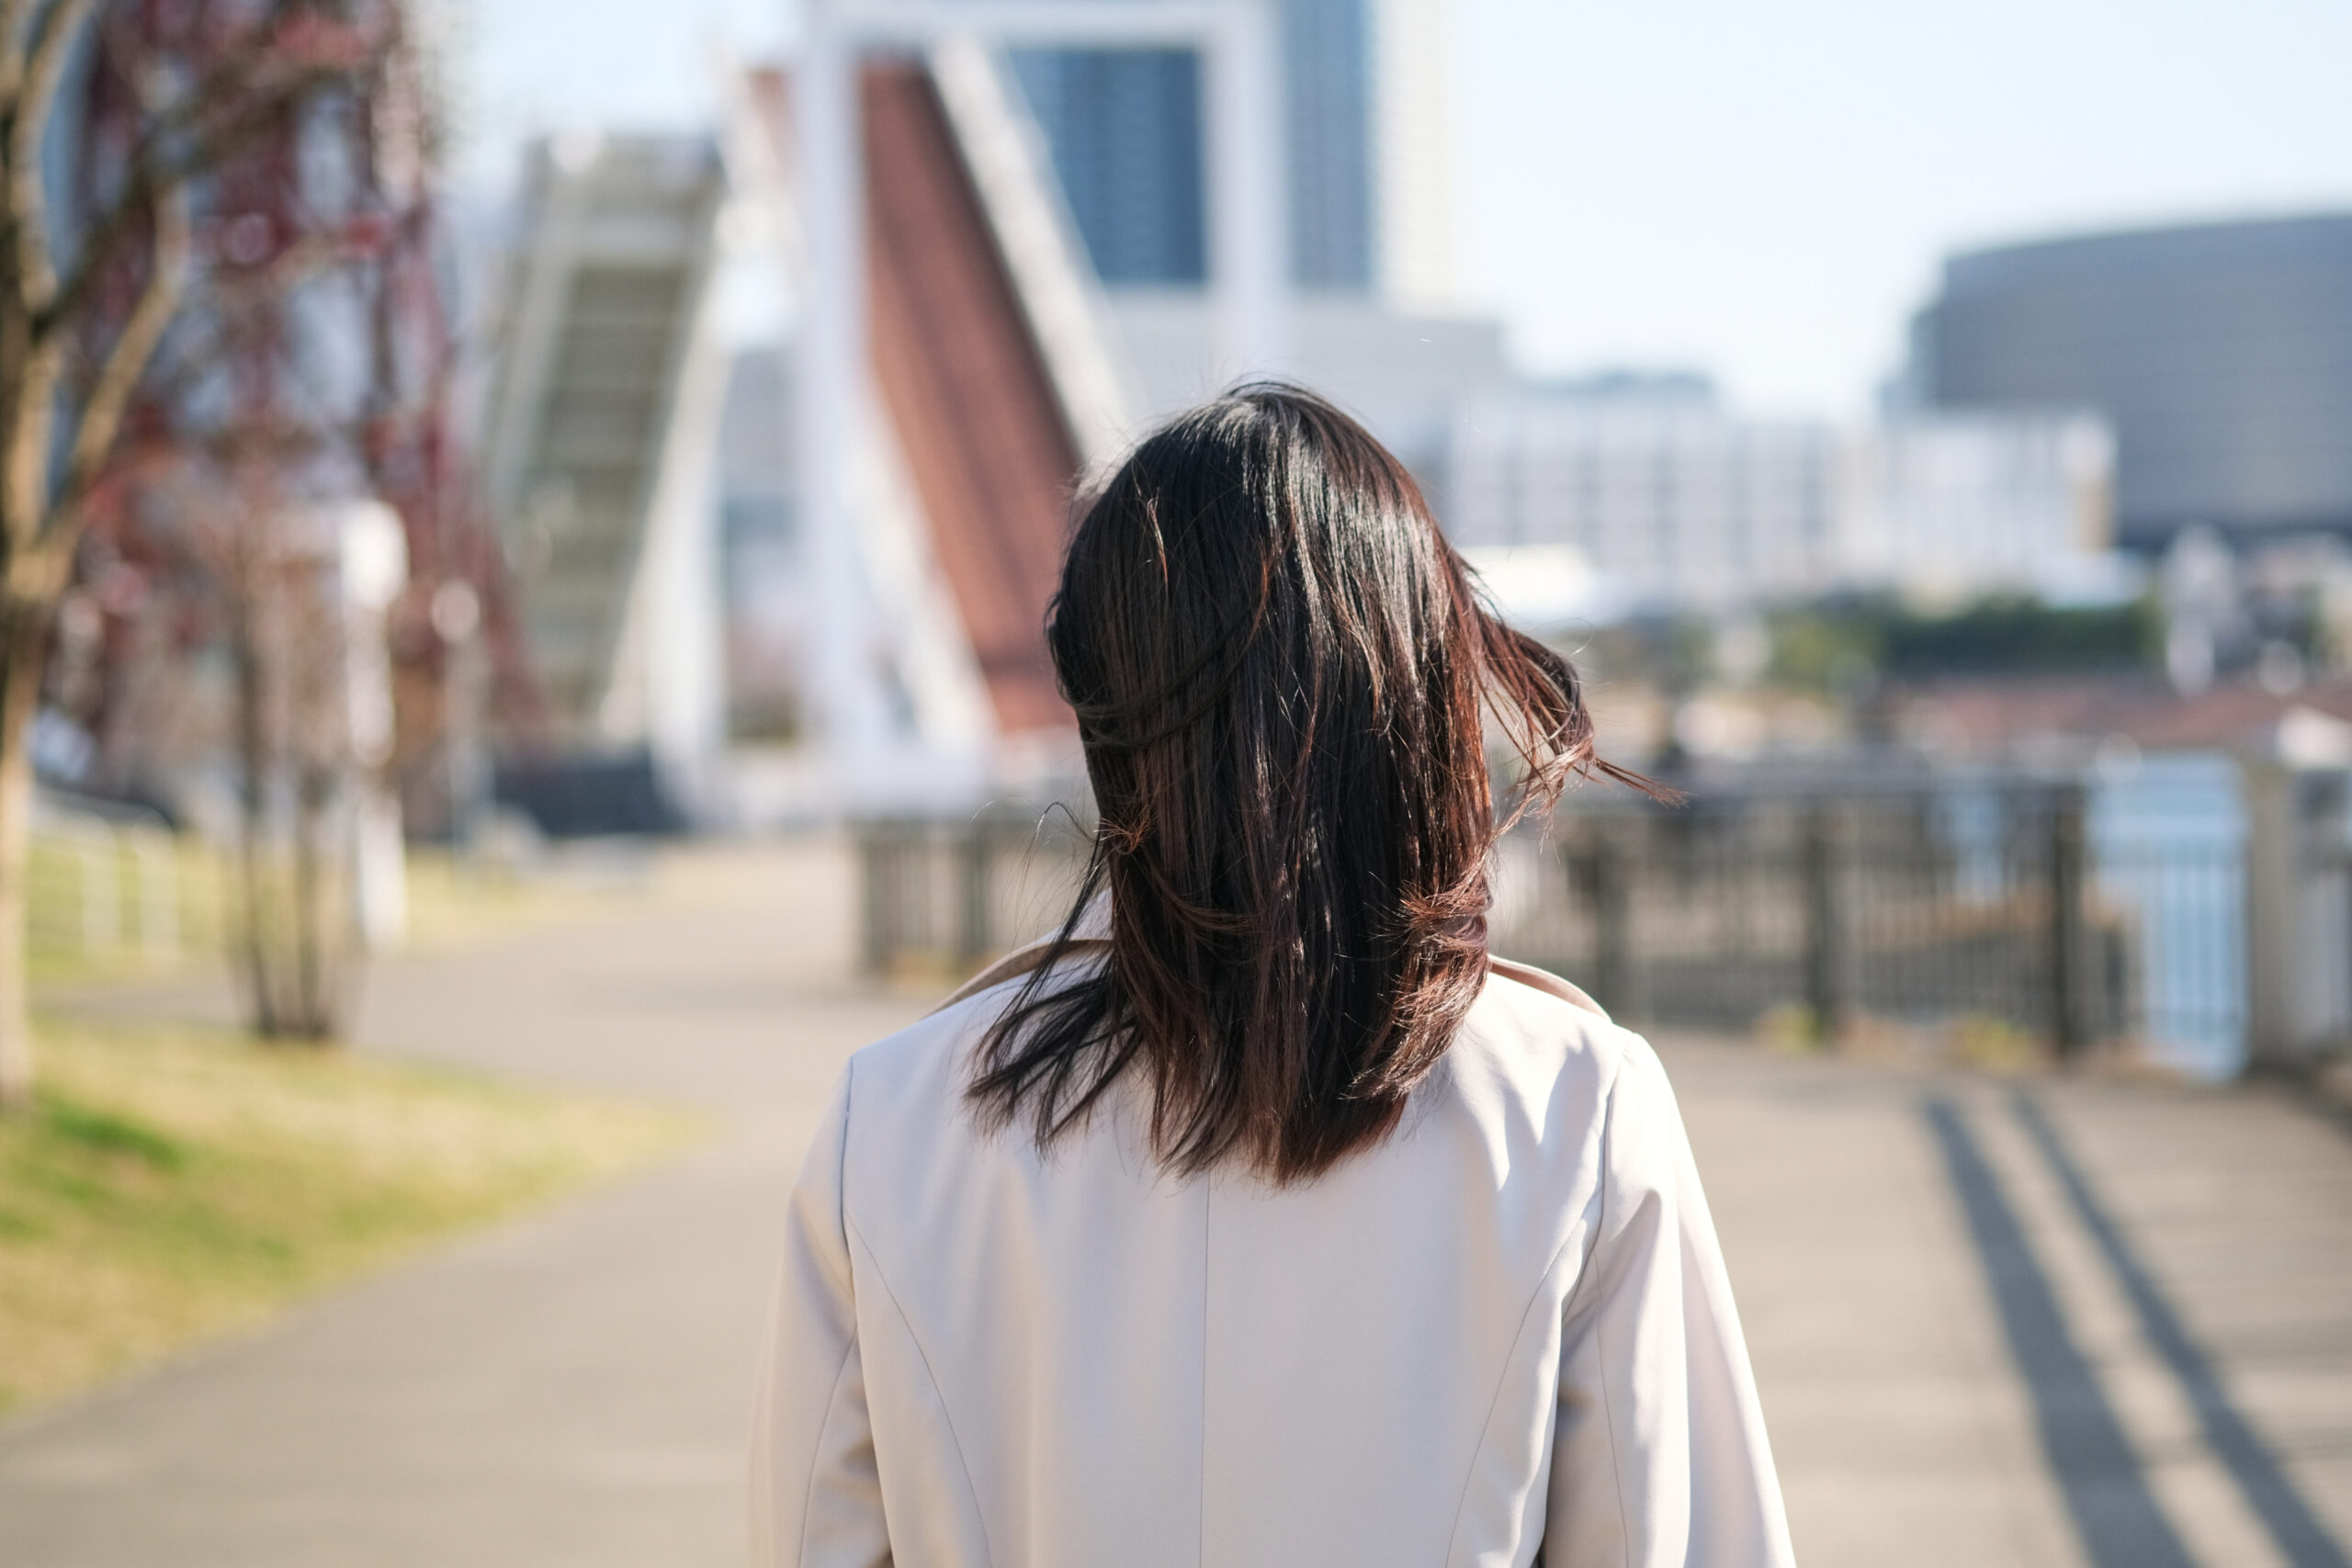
(2187, 905)
(951, 894)
(2075, 911)
(1910, 905)
(105, 888)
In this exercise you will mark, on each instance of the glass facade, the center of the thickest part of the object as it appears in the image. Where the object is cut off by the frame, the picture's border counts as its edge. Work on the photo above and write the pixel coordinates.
(1123, 128)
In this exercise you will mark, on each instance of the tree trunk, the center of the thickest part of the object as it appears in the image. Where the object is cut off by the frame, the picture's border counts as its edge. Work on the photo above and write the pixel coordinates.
(253, 800)
(22, 637)
(314, 960)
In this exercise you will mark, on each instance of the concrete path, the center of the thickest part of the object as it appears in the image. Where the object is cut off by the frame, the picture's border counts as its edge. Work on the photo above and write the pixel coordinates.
(569, 1390)
(2038, 1322)
(2057, 1323)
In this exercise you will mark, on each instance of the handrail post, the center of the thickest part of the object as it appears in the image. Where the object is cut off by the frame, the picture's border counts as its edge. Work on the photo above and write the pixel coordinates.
(975, 864)
(1829, 968)
(875, 872)
(1615, 959)
(101, 890)
(2071, 1024)
(159, 912)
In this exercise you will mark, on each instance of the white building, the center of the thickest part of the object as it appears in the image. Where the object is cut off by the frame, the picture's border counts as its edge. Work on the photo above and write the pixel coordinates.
(1403, 375)
(1674, 501)
(1373, 320)
(1965, 503)
(1412, 153)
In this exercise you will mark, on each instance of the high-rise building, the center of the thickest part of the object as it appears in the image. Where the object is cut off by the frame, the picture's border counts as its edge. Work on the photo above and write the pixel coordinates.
(1413, 153)
(1328, 64)
(1123, 129)
(1367, 166)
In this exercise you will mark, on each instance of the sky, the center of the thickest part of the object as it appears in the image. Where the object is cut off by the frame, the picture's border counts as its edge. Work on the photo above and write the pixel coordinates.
(1758, 188)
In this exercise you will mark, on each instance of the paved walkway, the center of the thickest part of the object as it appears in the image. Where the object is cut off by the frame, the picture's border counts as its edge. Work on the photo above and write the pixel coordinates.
(2044, 1323)
(2072, 1324)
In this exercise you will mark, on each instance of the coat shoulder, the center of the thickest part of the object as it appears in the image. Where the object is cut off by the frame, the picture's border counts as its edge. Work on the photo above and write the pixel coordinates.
(1537, 1038)
(923, 1055)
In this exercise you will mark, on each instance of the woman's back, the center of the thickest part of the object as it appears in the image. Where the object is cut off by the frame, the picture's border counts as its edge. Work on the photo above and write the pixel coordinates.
(1268, 1220)
(1505, 1327)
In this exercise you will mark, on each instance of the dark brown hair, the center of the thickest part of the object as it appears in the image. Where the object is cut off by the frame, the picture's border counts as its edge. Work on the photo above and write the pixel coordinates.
(1281, 671)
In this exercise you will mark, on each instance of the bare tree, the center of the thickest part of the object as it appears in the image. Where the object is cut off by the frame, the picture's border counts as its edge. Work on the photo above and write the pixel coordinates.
(85, 296)
(269, 578)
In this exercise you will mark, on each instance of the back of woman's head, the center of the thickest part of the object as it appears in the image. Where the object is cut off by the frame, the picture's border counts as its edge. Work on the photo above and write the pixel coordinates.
(1280, 669)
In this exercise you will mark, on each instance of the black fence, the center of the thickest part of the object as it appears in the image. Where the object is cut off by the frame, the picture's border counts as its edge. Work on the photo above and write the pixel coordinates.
(2075, 911)
(1992, 903)
(951, 894)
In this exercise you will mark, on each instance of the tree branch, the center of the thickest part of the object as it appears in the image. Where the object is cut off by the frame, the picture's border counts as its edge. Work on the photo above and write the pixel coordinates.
(45, 60)
(179, 148)
(110, 390)
(13, 13)
(54, 25)
(24, 460)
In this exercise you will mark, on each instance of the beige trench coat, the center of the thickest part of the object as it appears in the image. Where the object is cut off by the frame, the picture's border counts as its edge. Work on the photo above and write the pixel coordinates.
(1507, 1329)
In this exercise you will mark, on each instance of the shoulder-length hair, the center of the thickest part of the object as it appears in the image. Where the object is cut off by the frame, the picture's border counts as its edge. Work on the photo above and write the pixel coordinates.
(1281, 672)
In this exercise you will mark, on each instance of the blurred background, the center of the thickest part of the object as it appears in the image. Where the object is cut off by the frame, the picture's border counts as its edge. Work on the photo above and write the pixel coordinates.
(526, 526)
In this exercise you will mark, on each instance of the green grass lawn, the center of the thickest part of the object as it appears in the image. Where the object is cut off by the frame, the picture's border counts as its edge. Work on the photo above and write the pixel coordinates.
(174, 1185)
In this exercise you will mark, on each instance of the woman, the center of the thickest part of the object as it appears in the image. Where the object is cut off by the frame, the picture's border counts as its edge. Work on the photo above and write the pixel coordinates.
(1261, 1216)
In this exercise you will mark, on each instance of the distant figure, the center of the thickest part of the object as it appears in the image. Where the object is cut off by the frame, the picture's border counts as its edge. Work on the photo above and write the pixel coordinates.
(1259, 1217)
